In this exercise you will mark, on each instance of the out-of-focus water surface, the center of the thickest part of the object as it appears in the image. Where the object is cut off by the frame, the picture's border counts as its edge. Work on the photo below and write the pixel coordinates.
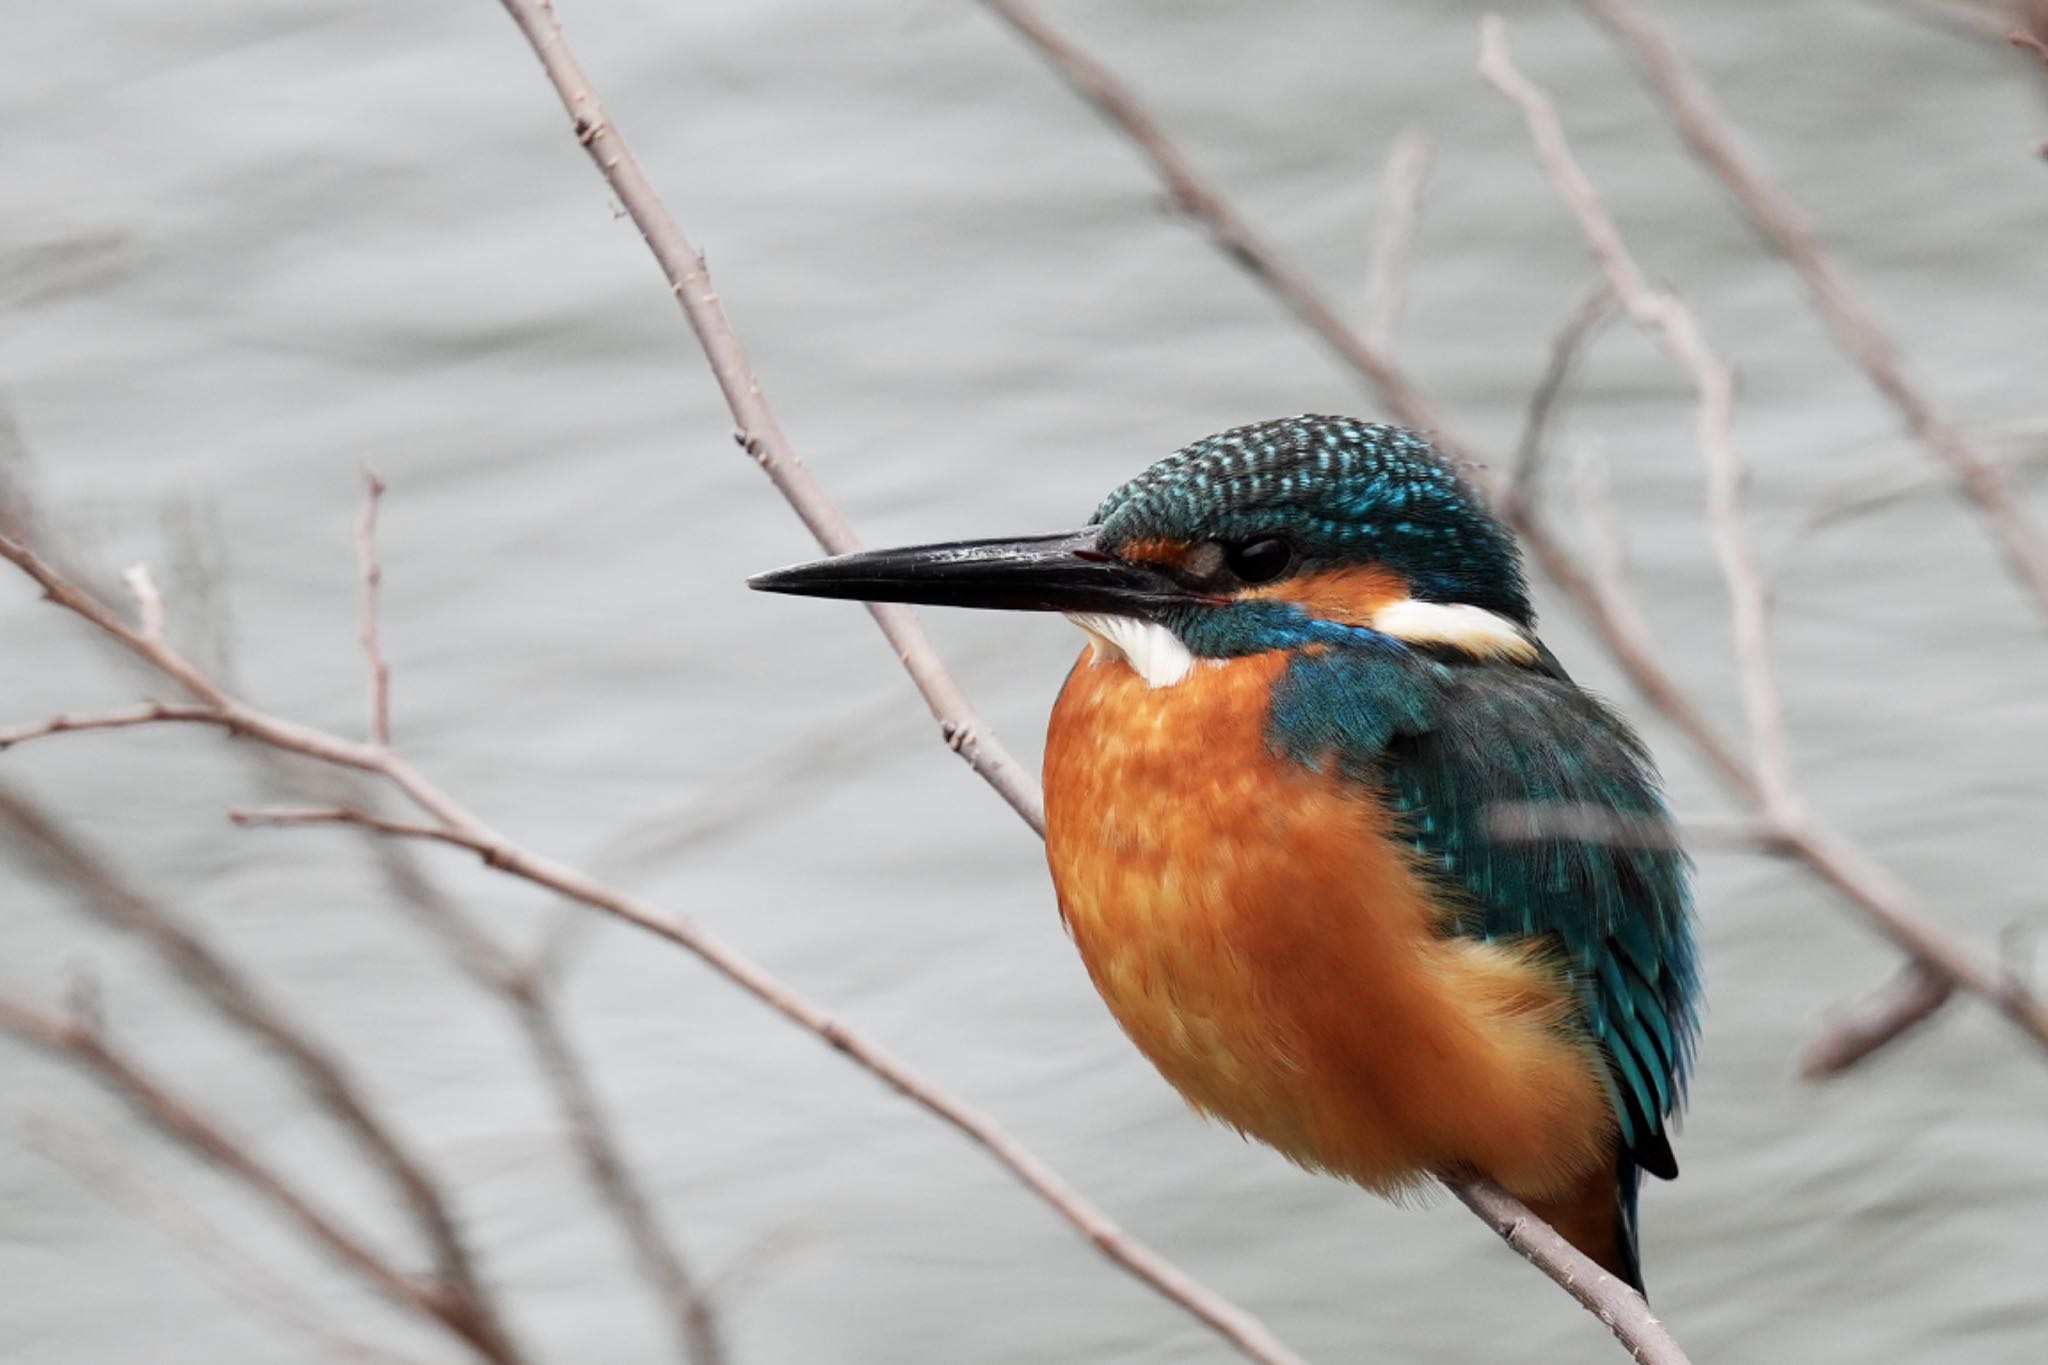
(248, 248)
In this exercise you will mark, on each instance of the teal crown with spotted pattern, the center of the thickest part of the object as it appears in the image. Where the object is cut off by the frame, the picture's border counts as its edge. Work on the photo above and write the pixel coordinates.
(1345, 492)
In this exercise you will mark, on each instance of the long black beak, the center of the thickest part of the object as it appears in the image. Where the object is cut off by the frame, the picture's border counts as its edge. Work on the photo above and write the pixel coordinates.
(1064, 572)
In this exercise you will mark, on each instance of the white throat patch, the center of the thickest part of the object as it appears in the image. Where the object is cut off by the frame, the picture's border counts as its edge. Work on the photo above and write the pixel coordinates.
(1153, 652)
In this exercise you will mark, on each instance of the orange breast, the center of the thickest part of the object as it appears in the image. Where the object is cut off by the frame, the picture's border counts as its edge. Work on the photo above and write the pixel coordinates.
(1263, 939)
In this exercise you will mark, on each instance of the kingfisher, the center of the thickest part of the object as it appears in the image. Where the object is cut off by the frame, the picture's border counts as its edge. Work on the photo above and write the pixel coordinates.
(1295, 798)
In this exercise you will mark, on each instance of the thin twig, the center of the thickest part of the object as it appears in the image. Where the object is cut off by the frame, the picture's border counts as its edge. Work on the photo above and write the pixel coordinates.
(1782, 223)
(146, 713)
(1898, 1007)
(103, 893)
(372, 636)
(1624, 1311)
(591, 1133)
(77, 1039)
(1524, 484)
(1677, 328)
(450, 822)
(1393, 237)
(1217, 216)
(758, 432)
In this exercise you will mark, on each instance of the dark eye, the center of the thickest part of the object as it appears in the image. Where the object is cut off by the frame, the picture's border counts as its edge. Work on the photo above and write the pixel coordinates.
(1261, 560)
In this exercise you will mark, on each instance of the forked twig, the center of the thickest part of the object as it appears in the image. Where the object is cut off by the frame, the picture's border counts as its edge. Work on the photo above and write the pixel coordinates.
(1856, 330)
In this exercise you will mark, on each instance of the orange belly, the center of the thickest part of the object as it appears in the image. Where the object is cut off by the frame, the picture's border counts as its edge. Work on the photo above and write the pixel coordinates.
(1265, 939)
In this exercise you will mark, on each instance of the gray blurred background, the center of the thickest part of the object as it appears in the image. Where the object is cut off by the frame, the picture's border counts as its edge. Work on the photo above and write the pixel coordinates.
(249, 247)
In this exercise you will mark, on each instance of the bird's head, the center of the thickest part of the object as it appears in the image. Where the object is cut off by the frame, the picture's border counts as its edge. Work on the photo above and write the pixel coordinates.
(1281, 535)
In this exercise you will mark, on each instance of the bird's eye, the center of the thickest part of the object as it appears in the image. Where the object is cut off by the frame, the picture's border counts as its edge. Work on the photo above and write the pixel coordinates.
(1261, 560)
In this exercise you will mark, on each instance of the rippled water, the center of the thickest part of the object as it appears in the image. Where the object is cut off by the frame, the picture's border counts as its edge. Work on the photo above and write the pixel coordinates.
(249, 248)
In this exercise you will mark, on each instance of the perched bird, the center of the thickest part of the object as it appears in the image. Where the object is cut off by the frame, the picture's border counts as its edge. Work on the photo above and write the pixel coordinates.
(1297, 793)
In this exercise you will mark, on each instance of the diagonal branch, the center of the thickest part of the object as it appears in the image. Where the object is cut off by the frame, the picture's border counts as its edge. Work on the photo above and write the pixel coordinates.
(1901, 1005)
(758, 432)
(1861, 337)
(1219, 218)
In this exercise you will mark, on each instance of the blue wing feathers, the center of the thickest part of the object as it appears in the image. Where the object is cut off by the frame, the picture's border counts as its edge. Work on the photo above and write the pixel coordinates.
(1445, 743)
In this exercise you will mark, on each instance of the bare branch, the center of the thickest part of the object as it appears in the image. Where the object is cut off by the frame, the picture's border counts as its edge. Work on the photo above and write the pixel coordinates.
(604, 1162)
(372, 637)
(1624, 1311)
(1217, 216)
(1532, 446)
(1892, 907)
(237, 997)
(1677, 329)
(1782, 223)
(1895, 1009)
(452, 823)
(1393, 236)
(147, 713)
(759, 433)
(77, 1041)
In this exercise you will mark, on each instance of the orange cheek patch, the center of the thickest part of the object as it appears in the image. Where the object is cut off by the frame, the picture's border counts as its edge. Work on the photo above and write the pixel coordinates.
(1350, 595)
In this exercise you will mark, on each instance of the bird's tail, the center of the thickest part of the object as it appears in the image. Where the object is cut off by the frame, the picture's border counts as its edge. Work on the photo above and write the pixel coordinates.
(1599, 1218)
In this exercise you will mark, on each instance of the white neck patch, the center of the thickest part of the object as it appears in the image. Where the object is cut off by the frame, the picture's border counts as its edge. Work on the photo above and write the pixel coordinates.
(1461, 626)
(1153, 652)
